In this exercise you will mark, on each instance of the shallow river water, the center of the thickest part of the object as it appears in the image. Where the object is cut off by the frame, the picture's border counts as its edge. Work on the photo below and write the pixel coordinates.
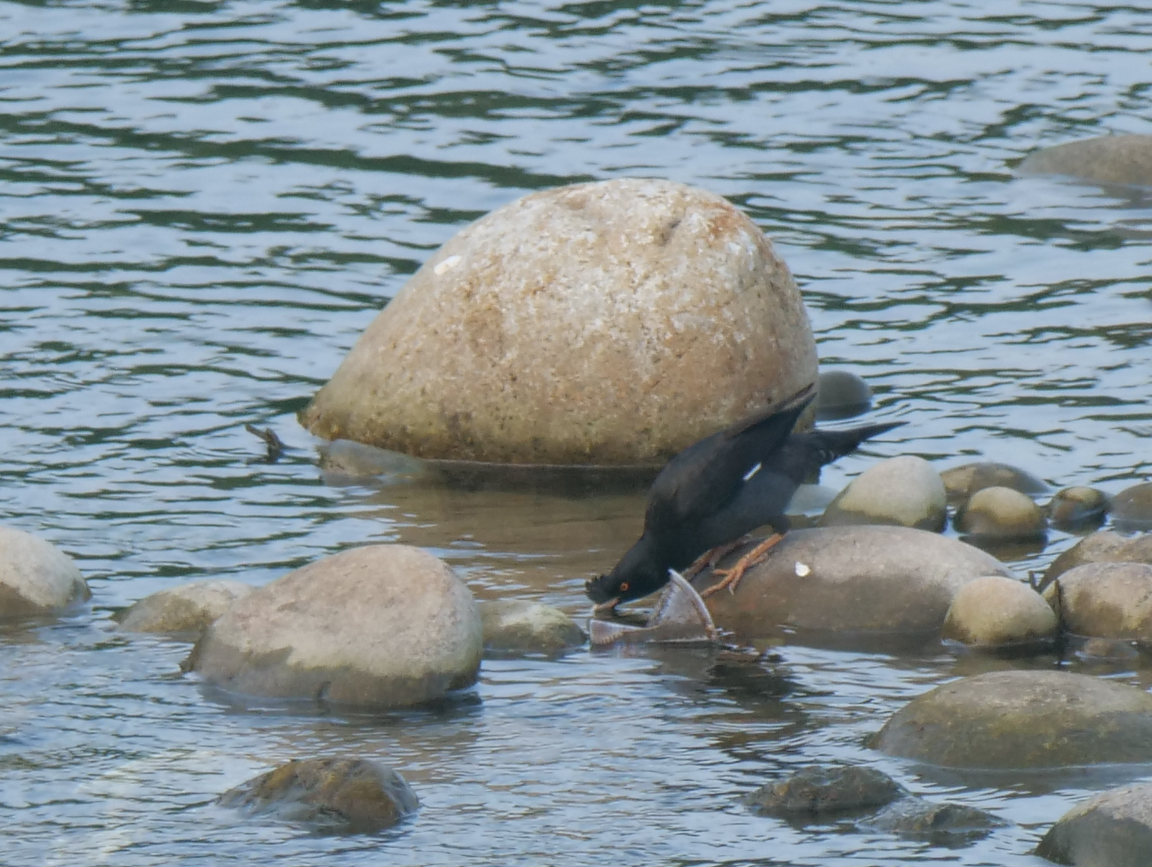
(202, 204)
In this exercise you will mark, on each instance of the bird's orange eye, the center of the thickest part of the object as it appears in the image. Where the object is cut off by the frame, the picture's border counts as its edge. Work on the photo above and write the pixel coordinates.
(624, 587)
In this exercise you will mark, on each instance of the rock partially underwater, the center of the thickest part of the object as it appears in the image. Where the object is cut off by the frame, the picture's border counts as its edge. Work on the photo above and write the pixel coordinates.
(36, 577)
(680, 617)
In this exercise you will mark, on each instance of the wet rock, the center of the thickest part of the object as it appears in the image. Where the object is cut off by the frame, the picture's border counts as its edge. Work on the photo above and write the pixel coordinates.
(36, 577)
(818, 792)
(380, 626)
(1109, 159)
(1022, 719)
(841, 394)
(188, 608)
(1102, 547)
(1001, 513)
(1132, 509)
(519, 626)
(903, 491)
(850, 579)
(605, 323)
(1077, 507)
(995, 611)
(340, 794)
(963, 481)
(1112, 829)
(348, 458)
(1105, 600)
(941, 823)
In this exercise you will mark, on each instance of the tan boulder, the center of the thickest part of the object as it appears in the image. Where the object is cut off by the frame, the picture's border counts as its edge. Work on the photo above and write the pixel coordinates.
(382, 625)
(904, 491)
(604, 323)
(36, 577)
(1108, 159)
(994, 610)
(187, 608)
(1102, 547)
(866, 579)
(999, 512)
(1105, 600)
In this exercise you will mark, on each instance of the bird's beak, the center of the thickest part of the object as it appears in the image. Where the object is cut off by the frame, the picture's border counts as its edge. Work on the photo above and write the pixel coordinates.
(608, 607)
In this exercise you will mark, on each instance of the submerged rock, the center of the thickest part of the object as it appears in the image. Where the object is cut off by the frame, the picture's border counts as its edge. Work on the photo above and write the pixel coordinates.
(993, 611)
(36, 577)
(820, 792)
(941, 823)
(903, 491)
(1022, 719)
(841, 394)
(1102, 547)
(679, 616)
(963, 481)
(188, 608)
(1132, 509)
(870, 579)
(1078, 507)
(1105, 600)
(342, 794)
(998, 512)
(1109, 159)
(604, 323)
(520, 626)
(380, 626)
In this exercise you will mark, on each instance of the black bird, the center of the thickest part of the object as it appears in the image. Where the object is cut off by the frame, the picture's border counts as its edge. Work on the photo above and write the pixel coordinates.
(720, 488)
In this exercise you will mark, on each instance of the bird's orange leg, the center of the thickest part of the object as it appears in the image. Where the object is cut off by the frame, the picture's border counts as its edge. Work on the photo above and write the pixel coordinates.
(731, 577)
(712, 556)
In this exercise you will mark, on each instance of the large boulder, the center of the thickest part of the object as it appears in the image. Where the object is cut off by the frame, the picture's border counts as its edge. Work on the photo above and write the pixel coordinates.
(1106, 600)
(35, 576)
(1022, 719)
(1112, 829)
(850, 579)
(605, 323)
(187, 608)
(1109, 159)
(381, 626)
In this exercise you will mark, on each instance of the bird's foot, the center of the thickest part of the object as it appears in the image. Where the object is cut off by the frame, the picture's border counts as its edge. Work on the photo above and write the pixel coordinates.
(711, 557)
(731, 577)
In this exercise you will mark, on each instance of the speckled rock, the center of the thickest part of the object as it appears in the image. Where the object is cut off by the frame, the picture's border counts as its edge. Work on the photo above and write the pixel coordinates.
(36, 577)
(605, 323)
(1001, 513)
(1106, 600)
(1022, 719)
(520, 626)
(941, 823)
(841, 394)
(380, 626)
(1132, 509)
(1102, 547)
(1109, 159)
(1078, 507)
(1112, 829)
(994, 611)
(963, 481)
(842, 580)
(819, 792)
(188, 608)
(350, 794)
(903, 491)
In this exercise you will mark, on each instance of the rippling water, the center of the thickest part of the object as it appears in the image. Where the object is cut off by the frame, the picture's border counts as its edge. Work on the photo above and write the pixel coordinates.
(203, 204)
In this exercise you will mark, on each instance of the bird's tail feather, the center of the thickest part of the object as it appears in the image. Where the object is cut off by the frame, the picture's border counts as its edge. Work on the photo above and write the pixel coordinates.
(833, 444)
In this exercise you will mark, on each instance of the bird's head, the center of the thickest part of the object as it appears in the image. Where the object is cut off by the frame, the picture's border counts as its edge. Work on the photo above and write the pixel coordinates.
(635, 576)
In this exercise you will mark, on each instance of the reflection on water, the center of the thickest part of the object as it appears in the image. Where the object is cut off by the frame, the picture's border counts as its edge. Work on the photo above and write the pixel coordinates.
(202, 206)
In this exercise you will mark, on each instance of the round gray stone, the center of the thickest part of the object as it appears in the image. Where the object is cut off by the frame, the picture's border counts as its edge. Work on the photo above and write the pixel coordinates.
(963, 481)
(841, 394)
(994, 610)
(1112, 829)
(903, 491)
(1102, 547)
(36, 577)
(520, 626)
(998, 512)
(1105, 600)
(1132, 509)
(1110, 159)
(188, 608)
(605, 323)
(1077, 507)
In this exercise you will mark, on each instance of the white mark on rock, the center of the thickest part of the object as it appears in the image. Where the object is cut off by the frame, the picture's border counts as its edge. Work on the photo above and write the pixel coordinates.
(752, 472)
(447, 265)
(803, 570)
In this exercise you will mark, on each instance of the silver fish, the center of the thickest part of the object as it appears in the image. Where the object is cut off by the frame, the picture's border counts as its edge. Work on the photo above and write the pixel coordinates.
(680, 616)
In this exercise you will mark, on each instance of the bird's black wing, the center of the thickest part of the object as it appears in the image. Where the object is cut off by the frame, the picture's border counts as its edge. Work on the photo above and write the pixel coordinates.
(698, 481)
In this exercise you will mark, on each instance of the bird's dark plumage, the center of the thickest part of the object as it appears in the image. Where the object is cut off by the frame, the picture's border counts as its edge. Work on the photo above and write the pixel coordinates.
(722, 487)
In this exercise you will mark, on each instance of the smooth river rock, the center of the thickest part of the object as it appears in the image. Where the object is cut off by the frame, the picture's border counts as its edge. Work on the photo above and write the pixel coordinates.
(822, 792)
(1108, 159)
(963, 481)
(380, 626)
(869, 579)
(1022, 719)
(1102, 547)
(605, 323)
(1112, 829)
(187, 608)
(514, 626)
(903, 491)
(355, 795)
(1106, 600)
(841, 394)
(994, 611)
(1132, 509)
(36, 577)
(1078, 507)
(998, 512)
